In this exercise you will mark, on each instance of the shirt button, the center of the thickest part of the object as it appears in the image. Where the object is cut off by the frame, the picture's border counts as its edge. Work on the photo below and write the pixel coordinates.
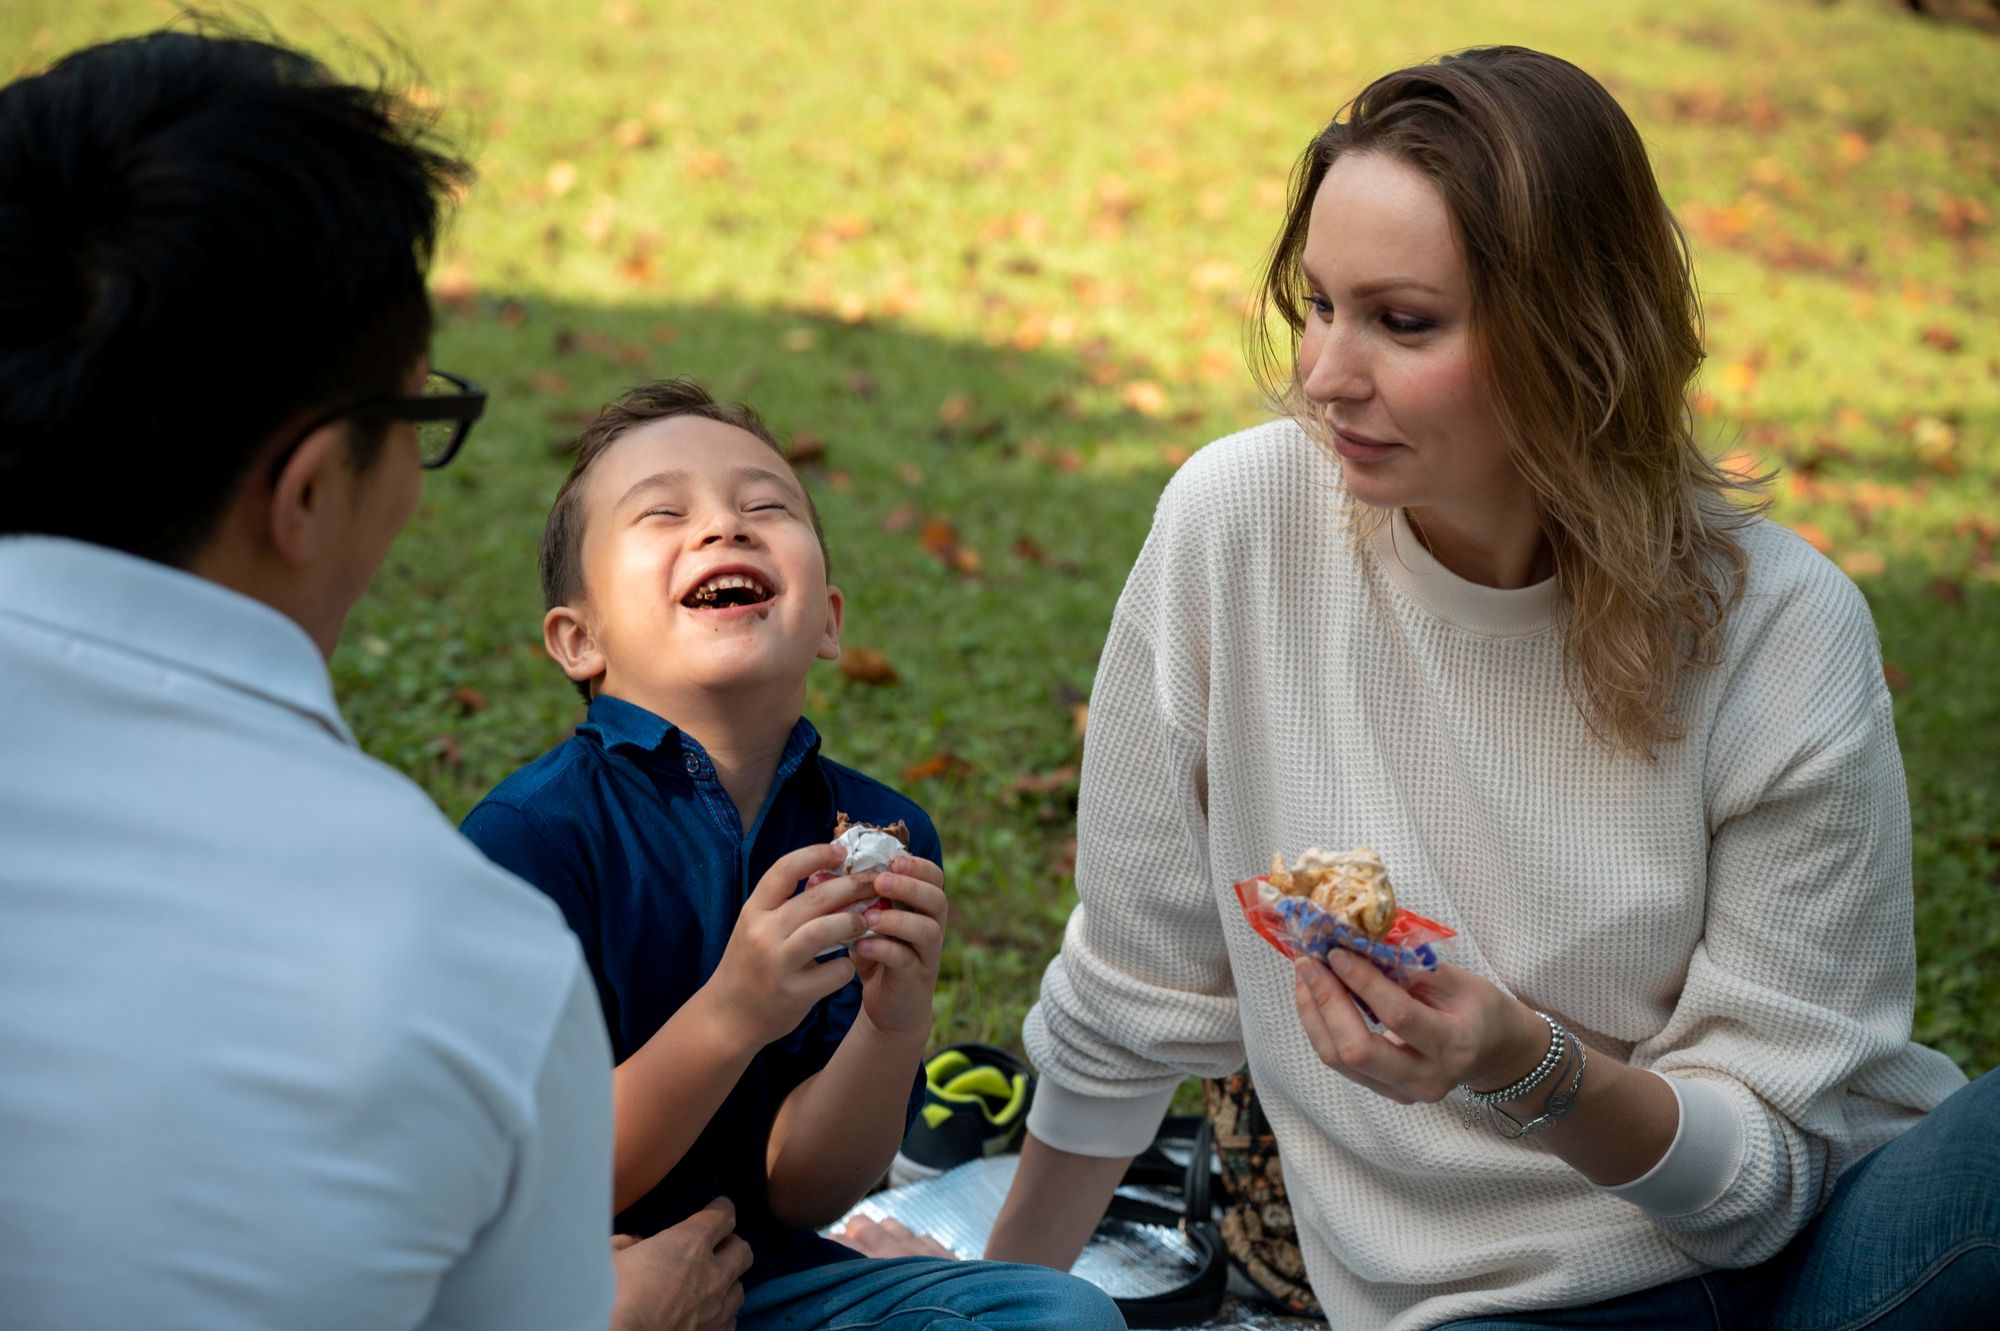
(693, 763)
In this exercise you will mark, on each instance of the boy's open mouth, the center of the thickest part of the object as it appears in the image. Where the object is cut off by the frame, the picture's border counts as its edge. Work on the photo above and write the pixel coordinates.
(726, 590)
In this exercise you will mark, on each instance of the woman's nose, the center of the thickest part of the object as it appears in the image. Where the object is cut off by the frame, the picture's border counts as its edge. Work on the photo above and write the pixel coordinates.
(1333, 365)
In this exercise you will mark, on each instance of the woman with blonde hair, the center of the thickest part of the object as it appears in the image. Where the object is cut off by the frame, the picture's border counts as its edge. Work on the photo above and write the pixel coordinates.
(1481, 602)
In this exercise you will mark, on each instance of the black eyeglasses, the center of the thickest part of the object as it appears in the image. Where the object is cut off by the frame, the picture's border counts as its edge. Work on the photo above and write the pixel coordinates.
(443, 413)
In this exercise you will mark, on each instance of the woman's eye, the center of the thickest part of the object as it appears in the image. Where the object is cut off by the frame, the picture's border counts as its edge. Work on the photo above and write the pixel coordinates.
(1320, 305)
(1407, 327)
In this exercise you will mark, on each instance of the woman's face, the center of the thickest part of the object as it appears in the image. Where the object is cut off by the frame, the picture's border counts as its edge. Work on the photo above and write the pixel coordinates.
(1386, 353)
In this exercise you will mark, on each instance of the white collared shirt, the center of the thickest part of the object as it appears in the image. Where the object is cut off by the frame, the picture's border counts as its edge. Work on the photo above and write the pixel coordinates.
(278, 1048)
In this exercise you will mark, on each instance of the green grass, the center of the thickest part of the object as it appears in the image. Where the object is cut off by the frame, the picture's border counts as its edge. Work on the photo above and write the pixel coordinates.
(994, 255)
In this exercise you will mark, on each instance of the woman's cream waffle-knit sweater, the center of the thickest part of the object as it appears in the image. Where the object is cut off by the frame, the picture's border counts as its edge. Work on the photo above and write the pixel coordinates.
(1734, 916)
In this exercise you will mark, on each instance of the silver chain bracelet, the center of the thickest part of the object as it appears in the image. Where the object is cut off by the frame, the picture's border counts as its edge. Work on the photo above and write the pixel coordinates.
(1478, 1100)
(1556, 1106)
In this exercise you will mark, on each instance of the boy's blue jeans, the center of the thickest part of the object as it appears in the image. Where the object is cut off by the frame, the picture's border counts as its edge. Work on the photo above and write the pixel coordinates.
(1910, 1241)
(906, 1293)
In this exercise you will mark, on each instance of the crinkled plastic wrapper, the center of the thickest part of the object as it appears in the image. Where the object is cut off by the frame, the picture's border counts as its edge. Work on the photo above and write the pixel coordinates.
(1298, 928)
(869, 850)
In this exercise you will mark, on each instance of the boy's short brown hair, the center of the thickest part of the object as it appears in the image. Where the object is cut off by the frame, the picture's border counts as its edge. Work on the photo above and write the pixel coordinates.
(561, 554)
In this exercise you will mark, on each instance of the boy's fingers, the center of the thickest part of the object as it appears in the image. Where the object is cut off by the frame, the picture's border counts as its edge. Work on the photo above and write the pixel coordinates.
(835, 894)
(914, 894)
(915, 866)
(919, 931)
(817, 935)
(782, 878)
(893, 953)
(829, 977)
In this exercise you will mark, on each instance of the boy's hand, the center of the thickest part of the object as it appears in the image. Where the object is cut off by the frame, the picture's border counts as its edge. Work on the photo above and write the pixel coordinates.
(767, 980)
(899, 965)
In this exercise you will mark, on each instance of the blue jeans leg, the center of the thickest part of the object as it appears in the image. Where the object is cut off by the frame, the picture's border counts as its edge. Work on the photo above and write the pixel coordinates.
(1909, 1241)
(907, 1293)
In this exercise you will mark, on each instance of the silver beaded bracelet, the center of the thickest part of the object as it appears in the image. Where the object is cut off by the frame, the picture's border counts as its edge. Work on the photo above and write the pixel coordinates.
(1475, 1101)
(1556, 1106)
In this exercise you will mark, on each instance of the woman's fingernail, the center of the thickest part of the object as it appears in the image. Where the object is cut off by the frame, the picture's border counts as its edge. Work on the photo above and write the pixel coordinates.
(1342, 962)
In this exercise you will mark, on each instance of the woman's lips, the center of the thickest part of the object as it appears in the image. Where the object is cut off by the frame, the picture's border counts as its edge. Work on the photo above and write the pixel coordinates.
(1360, 448)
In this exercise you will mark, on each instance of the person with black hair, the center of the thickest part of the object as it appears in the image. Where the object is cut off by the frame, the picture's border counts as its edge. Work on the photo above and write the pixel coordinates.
(281, 1048)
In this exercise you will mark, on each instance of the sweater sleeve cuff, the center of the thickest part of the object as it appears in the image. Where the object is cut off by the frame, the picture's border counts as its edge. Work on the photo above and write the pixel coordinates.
(1701, 1161)
(1094, 1126)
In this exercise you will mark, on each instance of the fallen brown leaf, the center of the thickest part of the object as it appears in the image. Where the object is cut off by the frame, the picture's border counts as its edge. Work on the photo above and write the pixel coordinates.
(943, 763)
(867, 665)
(954, 410)
(1145, 397)
(941, 541)
(1048, 783)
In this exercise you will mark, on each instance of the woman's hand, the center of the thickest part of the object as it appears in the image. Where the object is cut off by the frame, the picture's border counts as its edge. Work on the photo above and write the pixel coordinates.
(1449, 1027)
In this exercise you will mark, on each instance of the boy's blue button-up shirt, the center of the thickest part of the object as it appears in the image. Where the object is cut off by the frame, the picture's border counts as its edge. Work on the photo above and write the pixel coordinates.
(626, 826)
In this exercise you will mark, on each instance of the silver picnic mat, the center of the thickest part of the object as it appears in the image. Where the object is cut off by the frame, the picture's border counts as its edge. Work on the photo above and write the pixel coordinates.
(1125, 1260)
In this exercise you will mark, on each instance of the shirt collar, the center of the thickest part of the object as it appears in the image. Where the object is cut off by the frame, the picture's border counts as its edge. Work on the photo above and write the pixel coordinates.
(1489, 612)
(616, 723)
(144, 608)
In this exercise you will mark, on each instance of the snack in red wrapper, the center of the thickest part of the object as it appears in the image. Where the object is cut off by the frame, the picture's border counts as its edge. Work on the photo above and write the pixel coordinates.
(1326, 900)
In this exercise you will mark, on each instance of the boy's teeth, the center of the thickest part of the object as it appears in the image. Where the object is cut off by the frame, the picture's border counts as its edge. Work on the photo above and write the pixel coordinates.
(708, 591)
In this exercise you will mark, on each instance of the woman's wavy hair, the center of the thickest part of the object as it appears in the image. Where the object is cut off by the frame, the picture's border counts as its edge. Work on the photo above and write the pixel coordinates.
(1587, 328)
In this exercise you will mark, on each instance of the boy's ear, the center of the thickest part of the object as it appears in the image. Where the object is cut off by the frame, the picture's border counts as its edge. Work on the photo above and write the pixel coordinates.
(836, 614)
(300, 517)
(570, 643)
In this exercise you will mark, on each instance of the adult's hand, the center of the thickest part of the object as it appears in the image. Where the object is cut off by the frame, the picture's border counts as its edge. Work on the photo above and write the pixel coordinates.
(687, 1278)
(1447, 1028)
(1453, 1026)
